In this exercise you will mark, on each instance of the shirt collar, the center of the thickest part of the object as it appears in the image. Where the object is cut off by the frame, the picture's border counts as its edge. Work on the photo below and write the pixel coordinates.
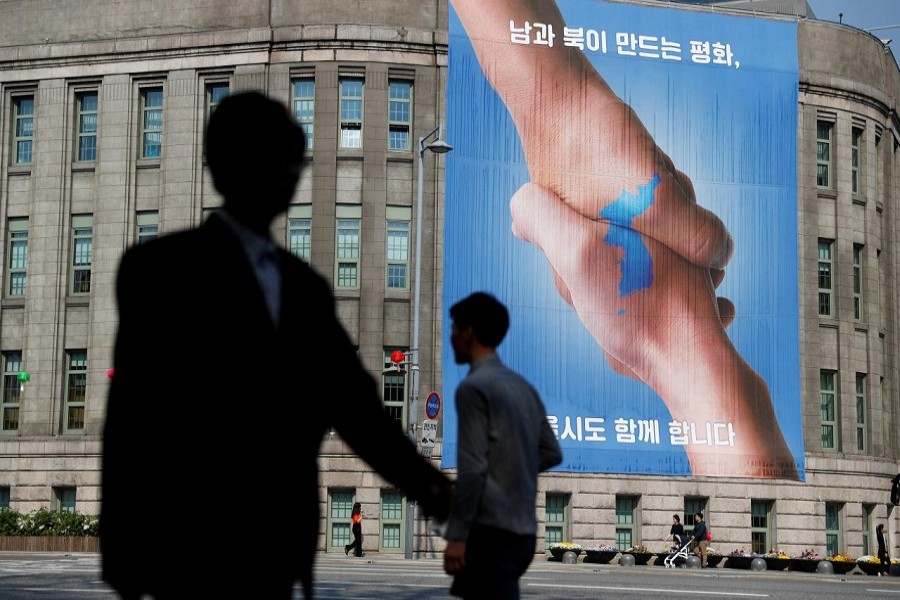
(254, 244)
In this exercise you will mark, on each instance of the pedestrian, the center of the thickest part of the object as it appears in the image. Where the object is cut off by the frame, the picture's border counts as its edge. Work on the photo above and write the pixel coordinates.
(701, 538)
(504, 441)
(213, 325)
(676, 533)
(883, 554)
(356, 518)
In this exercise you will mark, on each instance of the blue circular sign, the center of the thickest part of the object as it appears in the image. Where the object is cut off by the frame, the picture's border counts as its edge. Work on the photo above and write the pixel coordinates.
(432, 405)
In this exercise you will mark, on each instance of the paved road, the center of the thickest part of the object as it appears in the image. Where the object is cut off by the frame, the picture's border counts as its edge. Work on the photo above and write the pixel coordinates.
(76, 577)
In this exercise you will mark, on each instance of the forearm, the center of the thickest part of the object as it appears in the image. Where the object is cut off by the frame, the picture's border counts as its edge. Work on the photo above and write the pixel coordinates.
(712, 383)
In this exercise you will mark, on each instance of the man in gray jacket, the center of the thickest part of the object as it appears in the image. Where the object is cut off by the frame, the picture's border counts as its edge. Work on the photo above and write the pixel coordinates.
(504, 442)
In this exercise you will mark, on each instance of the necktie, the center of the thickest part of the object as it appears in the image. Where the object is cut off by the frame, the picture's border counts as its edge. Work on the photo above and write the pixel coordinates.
(269, 276)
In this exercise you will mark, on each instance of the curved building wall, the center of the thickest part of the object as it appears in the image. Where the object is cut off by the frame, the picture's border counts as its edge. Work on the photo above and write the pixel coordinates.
(848, 81)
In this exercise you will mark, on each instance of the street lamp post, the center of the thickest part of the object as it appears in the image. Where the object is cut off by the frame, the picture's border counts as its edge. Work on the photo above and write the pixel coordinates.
(438, 146)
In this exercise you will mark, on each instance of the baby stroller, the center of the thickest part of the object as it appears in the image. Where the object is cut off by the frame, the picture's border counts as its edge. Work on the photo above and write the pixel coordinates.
(678, 555)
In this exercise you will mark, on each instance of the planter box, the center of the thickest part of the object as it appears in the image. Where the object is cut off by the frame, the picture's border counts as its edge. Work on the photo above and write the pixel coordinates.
(842, 567)
(641, 558)
(869, 568)
(48, 543)
(804, 565)
(557, 553)
(777, 564)
(713, 560)
(738, 562)
(599, 556)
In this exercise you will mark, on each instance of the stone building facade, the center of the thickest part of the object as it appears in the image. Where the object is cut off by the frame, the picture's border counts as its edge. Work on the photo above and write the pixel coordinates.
(101, 117)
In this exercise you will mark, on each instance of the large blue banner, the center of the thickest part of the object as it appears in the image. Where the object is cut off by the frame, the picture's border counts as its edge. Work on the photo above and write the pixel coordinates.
(624, 179)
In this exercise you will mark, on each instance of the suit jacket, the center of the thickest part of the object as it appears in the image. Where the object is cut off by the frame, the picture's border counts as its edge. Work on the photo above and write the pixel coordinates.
(213, 429)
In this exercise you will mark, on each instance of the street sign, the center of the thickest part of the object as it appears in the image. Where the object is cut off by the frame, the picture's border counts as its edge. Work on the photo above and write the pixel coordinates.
(432, 405)
(429, 434)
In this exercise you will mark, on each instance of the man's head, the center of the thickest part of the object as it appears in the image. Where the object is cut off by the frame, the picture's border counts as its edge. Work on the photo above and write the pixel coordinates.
(880, 527)
(698, 517)
(254, 149)
(676, 518)
(480, 323)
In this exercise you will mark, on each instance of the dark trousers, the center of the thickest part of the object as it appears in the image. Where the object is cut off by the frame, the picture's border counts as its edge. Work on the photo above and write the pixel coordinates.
(356, 546)
(885, 561)
(495, 560)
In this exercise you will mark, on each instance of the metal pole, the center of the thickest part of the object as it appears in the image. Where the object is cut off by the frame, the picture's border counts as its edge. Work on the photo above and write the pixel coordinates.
(414, 350)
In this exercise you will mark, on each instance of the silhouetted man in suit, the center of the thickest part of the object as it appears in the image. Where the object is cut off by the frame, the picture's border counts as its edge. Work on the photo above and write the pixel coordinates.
(212, 428)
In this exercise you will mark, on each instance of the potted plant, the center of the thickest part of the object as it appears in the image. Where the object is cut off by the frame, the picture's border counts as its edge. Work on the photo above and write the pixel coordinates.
(558, 549)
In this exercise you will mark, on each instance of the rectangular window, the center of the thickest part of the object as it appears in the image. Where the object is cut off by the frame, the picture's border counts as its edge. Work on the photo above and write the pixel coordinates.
(4, 497)
(299, 231)
(834, 535)
(397, 250)
(11, 393)
(303, 101)
(76, 388)
(23, 129)
(64, 499)
(692, 506)
(393, 389)
(855, 161)
(627, 534)
(761, 526)
(861, 407)
(86, 118)
(391, 521)
(857, 282)
(868, 512)
(399, 114)
(351, 111)
(340, 506)
(556, 519)
(877, 165)
(82, 253)
(825, 277)
(828, 409)
(151, 122)
(17, 253)
(349, 222)
(147, 225)
(215, 93)
(823, 153)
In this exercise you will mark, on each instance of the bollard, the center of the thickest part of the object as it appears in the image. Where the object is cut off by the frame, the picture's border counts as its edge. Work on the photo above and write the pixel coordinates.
(692, 562)
(758, 564)
(825, 567)
(569, 558)
(626, 560)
